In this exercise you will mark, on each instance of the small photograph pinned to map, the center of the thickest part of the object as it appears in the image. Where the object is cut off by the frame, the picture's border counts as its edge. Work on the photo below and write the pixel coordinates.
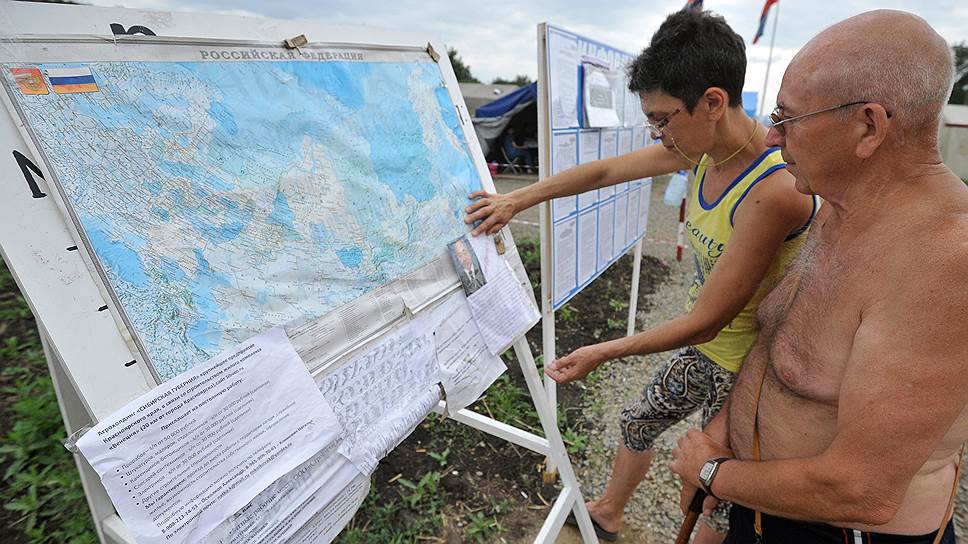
(467, 266)
(72, 80)
(29, 80)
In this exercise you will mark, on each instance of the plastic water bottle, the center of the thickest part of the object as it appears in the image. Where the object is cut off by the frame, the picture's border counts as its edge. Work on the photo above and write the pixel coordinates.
(676, 189)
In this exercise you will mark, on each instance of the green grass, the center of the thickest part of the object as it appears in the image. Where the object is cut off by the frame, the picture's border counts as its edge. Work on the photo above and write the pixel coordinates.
(41, 484)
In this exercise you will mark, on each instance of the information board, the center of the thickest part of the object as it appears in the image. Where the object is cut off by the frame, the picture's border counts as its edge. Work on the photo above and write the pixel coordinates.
(590, 231)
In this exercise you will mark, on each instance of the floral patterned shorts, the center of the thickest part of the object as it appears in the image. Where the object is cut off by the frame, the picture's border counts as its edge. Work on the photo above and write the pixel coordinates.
(689, 381)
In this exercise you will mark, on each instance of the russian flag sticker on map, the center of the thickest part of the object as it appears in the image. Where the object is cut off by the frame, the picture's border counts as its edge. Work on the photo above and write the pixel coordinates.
(29, 80)
(71, 80)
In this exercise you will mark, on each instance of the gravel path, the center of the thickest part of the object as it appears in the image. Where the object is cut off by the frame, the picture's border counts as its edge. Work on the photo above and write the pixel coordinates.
(654, 512)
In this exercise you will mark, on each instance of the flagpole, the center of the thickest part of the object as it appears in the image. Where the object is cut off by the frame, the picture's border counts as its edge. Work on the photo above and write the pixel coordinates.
(766, 80)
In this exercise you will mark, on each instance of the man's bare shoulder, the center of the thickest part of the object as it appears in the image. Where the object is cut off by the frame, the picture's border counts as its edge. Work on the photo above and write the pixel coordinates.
(928, 263)
(933, 231)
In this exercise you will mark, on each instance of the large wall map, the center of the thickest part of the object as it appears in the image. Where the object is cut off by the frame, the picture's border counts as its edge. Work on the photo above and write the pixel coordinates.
(223, 198)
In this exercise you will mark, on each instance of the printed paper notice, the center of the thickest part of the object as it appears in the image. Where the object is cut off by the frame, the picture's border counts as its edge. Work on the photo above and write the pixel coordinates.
(609, 143)
(606, 218)
(331, 519)
(566, 151)
(563, 76)
(566, 154)
(599, 97)
(618, 229)
(645, 198)
(291, 501)
(624, 141)
(587, 245)
(631, 228)
(588, 146)
(467, 366)
(588, 152)
(182, 458)
(501, 309)
(381, 395)
(609, 149)
(632, 115)
(565, 279)
(638, 137)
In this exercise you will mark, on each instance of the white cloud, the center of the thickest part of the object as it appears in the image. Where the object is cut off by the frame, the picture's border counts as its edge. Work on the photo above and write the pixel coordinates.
(498, 38)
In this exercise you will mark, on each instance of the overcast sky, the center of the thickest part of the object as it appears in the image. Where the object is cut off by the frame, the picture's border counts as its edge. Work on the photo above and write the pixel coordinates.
(497, 38)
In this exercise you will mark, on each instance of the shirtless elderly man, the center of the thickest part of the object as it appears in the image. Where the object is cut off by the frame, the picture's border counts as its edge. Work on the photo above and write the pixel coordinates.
(850, 410)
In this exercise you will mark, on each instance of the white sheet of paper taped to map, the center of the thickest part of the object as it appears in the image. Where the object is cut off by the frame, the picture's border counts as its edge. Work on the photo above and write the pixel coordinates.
(501, 308)
(320, 340)
(182, 458)
(467, 367)
(291, 501)
(381, 395)
(427, 282)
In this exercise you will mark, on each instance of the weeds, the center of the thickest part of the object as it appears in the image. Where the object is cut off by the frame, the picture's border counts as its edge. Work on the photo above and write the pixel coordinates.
(618, 305)
(510, 404)
(41, 483)
(575, 442)
(566, 313)
(397, 521)
(441, 457)
(481, 528)
(616, 324)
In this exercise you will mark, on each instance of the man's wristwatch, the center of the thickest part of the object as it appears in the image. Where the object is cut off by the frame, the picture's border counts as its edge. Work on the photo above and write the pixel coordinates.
(708, 473)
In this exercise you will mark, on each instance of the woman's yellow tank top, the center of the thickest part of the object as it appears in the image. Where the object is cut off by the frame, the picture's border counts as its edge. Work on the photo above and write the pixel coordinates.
(709, 226)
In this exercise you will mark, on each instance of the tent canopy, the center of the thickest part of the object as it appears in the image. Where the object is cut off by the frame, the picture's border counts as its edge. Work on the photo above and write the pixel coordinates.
(528, 93)
(517, 109)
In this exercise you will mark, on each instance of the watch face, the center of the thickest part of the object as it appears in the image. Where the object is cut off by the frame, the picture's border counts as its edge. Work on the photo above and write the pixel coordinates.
(706, 471)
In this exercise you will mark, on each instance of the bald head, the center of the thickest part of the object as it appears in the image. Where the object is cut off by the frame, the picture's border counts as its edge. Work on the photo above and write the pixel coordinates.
(890, 57)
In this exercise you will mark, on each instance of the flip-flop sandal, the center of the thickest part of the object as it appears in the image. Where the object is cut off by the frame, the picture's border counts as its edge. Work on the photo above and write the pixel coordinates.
(610, 536)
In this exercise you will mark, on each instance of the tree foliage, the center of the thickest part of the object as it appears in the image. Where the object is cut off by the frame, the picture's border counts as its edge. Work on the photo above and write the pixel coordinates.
(959, 94)
(520, 80)
(461, 70)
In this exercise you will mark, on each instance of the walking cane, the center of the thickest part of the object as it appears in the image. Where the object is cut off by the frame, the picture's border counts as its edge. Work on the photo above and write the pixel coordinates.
(688, 524)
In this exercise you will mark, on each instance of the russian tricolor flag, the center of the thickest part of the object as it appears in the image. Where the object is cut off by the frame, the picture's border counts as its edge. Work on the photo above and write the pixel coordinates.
(71, 80)
(766, 11)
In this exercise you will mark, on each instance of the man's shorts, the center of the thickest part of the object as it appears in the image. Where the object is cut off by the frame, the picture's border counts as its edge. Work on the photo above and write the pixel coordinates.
(778, 530)
(689, 381)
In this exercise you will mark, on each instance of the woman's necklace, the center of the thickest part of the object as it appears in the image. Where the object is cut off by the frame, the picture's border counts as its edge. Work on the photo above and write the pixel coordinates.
(724, 161)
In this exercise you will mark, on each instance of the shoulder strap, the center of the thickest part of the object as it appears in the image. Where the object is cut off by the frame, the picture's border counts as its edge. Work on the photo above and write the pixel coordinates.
(951, 499)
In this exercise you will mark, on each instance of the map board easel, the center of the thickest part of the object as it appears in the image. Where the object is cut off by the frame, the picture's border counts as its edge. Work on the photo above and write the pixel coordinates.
(582, 236)
(95, 363)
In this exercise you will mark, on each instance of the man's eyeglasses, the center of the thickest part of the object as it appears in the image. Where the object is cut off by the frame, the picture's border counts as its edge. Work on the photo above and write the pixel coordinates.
(778, 121)
(657, 129)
